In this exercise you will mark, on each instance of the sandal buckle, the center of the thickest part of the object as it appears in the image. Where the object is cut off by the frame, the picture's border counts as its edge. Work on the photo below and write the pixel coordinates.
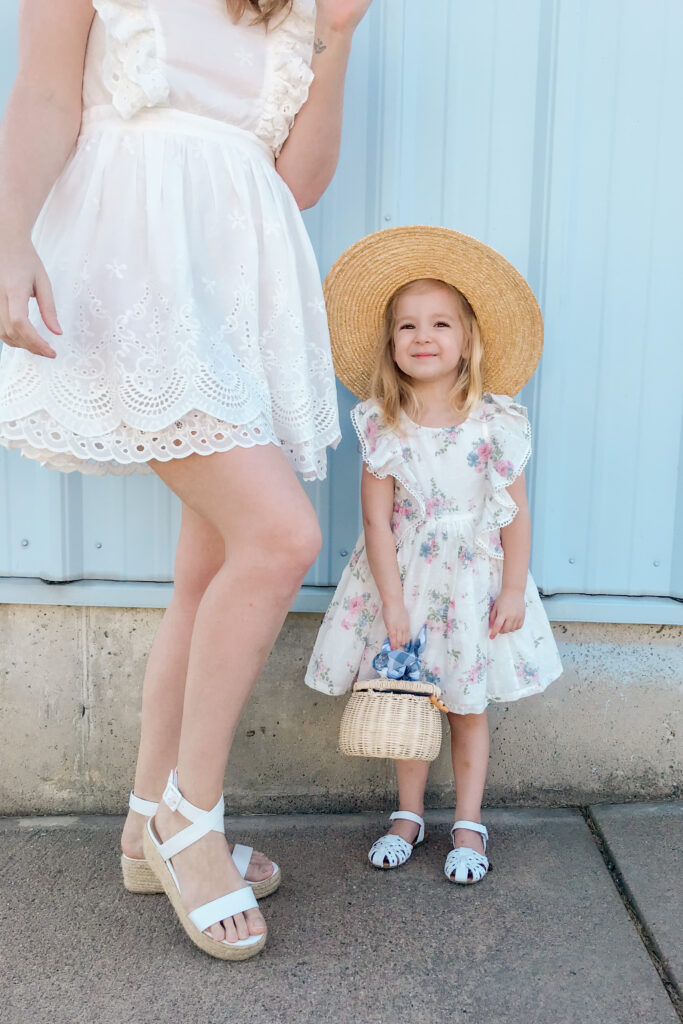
(172, 796)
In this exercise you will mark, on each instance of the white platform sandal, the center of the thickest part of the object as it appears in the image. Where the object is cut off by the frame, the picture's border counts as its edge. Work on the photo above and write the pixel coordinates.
(392, 851)
(195, 922)
(137, 875)
(139, 878)
(464, 865)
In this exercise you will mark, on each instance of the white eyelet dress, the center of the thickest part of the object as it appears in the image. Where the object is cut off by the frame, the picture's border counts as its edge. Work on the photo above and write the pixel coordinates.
(185, 282)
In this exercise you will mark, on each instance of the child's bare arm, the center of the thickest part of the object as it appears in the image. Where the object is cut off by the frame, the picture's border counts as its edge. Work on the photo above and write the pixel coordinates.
(377, 499)
(39, 129)
(507, 613)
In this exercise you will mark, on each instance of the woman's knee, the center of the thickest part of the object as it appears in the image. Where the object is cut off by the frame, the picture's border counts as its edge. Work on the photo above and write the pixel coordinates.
(286, 549)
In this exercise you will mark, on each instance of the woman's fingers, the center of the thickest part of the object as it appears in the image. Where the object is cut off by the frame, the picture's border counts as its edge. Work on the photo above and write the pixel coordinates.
(46, 301)
(17, 330)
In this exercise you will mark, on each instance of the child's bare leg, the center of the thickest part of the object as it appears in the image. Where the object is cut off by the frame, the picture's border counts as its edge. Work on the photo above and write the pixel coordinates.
(470, 754)
(271, 537)
(412, 781)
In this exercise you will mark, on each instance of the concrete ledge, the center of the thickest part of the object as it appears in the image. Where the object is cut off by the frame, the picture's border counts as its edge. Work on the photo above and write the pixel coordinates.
(608, 731)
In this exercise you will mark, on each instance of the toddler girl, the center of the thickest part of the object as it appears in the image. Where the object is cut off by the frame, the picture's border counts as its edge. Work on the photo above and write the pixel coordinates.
(447, 532)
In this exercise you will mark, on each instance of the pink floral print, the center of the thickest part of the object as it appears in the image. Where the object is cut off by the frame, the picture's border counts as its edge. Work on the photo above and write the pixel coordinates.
(450, 502)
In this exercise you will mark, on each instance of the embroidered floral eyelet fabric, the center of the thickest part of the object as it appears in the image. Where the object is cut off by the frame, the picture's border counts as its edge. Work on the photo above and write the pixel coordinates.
(450, 502)
(140, 63)
(187, 288)
(289, 74)
(132, 69)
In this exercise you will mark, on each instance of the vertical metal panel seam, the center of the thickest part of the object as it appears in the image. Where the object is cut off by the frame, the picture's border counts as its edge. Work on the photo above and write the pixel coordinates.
(539, 228)
(591, 541)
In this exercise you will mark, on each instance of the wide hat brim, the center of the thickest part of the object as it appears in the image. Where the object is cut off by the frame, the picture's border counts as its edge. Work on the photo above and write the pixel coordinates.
(363, 279)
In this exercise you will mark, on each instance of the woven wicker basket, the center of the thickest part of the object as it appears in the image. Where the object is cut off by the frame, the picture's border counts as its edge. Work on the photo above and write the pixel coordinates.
(381, 719)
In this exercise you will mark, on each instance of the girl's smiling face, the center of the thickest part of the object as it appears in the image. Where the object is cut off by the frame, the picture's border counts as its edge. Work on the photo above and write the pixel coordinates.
(429, 337)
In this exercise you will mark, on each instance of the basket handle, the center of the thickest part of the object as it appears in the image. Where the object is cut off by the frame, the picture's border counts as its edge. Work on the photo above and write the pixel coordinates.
(439, 704)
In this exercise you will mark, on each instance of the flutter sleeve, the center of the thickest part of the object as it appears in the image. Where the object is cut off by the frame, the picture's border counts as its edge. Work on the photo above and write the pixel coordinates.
(507, 432)
(133, 70)
(382, 450)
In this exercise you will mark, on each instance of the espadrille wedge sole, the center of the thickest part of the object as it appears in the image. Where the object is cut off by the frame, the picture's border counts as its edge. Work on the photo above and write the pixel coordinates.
(139, 878)
(137, 875)
(158, 856)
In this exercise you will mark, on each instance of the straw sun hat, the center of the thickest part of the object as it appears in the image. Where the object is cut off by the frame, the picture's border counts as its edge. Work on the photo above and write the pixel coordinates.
(361, 282)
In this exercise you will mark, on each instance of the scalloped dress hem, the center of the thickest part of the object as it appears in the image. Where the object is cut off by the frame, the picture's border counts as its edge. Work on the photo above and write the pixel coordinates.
(196, 434)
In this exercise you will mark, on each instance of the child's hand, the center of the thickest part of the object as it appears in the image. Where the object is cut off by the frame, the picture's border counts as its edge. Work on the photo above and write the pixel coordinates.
(397, 623)
(507, 613)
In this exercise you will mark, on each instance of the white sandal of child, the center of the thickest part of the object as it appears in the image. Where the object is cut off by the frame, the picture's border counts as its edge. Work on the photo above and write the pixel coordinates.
(197, 921)
(139, 878)
(464, 865)
(392, 851)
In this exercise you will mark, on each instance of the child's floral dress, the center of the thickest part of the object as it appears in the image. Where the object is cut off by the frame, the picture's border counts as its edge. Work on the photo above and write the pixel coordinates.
(450, 502)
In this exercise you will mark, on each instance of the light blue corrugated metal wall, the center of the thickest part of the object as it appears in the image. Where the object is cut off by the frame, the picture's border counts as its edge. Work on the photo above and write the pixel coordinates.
(550, 129)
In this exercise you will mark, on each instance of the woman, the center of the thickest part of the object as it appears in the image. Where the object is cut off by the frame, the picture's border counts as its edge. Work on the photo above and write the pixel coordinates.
(179, 328)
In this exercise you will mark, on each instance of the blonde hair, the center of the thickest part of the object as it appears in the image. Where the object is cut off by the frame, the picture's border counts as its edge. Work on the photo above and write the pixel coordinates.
(263, 10)
(393, 389)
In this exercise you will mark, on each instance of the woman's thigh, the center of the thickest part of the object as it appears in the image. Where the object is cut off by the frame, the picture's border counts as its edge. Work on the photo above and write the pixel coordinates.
(248, 499)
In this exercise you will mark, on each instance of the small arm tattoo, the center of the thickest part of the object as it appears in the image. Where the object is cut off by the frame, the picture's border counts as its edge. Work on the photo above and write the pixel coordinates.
(319, 46)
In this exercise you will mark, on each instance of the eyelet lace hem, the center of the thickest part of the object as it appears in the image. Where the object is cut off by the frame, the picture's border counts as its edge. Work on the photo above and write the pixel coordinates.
(290, 74)
(127, 450)
(132, 69)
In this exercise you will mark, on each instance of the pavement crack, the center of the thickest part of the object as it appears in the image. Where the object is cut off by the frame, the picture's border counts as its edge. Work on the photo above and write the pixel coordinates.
(647, 938)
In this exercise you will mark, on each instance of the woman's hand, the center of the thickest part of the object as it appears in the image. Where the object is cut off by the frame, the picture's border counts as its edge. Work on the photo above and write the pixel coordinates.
(22, 277)
(507, 613)
(340, 15)
(397, 624)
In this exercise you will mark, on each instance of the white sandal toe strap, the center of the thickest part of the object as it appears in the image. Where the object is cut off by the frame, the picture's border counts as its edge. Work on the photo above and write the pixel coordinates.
(392, 849)
(241, 856)
(462, 862)
(146, 807)
(223, 908)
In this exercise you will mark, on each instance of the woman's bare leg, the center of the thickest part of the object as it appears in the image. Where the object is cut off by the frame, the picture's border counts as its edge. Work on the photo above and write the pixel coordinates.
(199, 555)
(271, 537)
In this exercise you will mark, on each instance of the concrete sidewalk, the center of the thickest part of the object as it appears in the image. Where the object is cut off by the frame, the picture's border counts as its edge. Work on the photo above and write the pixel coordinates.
(578, 921)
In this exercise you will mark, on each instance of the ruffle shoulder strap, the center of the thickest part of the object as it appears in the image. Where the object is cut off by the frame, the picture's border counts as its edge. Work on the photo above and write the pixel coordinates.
(507, 449)
(133, 71)
(382, 451)
(290, 73)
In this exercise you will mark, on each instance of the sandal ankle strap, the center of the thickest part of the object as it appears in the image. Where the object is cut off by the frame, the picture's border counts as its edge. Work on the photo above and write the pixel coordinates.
(146, 807)
(409, 816)
(473, 826)
(203, 822)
